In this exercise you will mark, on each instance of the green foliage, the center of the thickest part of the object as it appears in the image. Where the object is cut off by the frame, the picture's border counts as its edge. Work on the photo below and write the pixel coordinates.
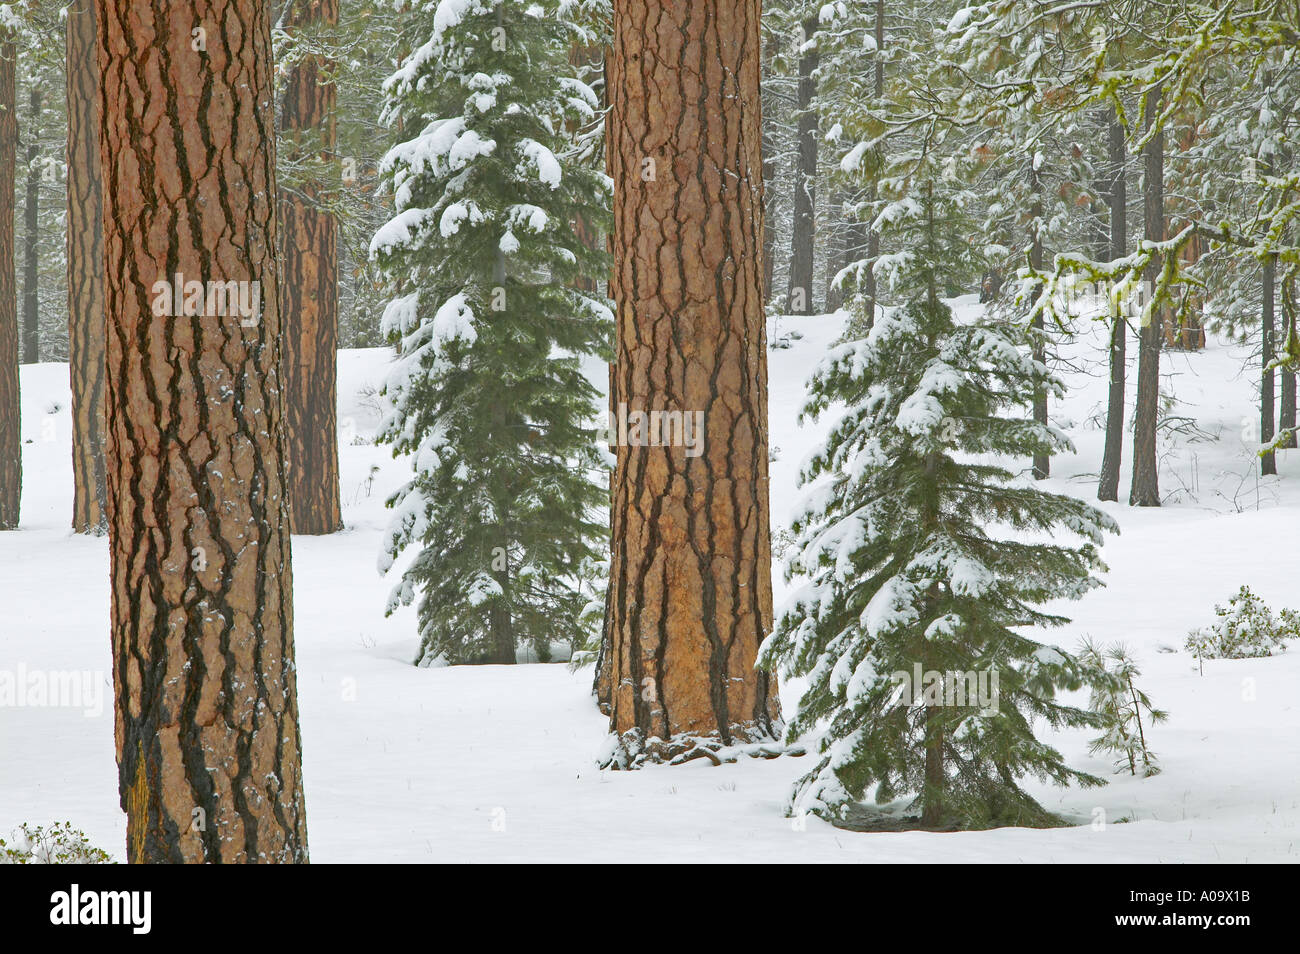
(904, 572)
(492, 324)
(1246, 628)
(593, 580)
(1119, 705)
(59, 844)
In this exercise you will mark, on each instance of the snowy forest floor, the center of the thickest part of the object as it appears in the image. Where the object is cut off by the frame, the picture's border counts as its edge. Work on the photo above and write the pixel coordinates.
(495, 763)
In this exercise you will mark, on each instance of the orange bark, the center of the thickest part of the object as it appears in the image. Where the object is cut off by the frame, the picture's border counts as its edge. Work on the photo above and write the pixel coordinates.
(690, 595)
(309, 235)
(85, 272)
(202, 617)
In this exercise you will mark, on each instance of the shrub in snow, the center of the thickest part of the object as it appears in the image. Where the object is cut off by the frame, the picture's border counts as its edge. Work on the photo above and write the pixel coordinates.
(1245, 628)
(905, 574)
(1119, 705)
(60, 844)
(492, 193)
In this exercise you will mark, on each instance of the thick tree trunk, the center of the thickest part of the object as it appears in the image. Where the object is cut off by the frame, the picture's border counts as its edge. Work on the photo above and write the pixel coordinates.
(1117, 199)
(1145, 489)
(799, 298)
(1042, 462)
(202, 619)
(11, 445)
(310, 302)
(690, 596)
(85, 273)
(31, 238)
(1267, 393)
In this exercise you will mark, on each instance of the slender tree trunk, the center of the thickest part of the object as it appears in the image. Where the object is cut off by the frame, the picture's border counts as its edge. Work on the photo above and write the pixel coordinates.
(837, 250)
(85, 245)
(1042, 462)
(1267, 394)
(690, 596)
(1117, 199)
(31, 238)
(769, 184)
(500, 620)
(932, 811)
(207, 733)
(873, 237)
(501, 632)
(1287, 413)
(1190, 335)
(1145, 489)
(934, 786)
(1105, 118)
(310, 289)
(803, 236)
(11, 445)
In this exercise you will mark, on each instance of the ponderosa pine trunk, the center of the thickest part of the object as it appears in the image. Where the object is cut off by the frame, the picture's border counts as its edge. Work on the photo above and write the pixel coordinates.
(690, 596)
(206, 703)
(85, 248)
(799, 300)
(31, 236)
(1145, 488)
(11, 445)
(1117, 199)
(309, 290)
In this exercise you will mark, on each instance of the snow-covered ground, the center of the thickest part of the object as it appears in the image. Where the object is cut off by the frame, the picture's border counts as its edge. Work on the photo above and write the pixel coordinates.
(495, 763)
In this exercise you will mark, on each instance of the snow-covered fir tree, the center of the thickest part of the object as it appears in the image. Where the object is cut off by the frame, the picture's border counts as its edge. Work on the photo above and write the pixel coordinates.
(492, 325)
(926, 556)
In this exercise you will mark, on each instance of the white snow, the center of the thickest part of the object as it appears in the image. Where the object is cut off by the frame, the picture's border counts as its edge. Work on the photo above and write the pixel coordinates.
(543, 160)
(398, 230)
(495, 763)
(456, 213)
(454, 319)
